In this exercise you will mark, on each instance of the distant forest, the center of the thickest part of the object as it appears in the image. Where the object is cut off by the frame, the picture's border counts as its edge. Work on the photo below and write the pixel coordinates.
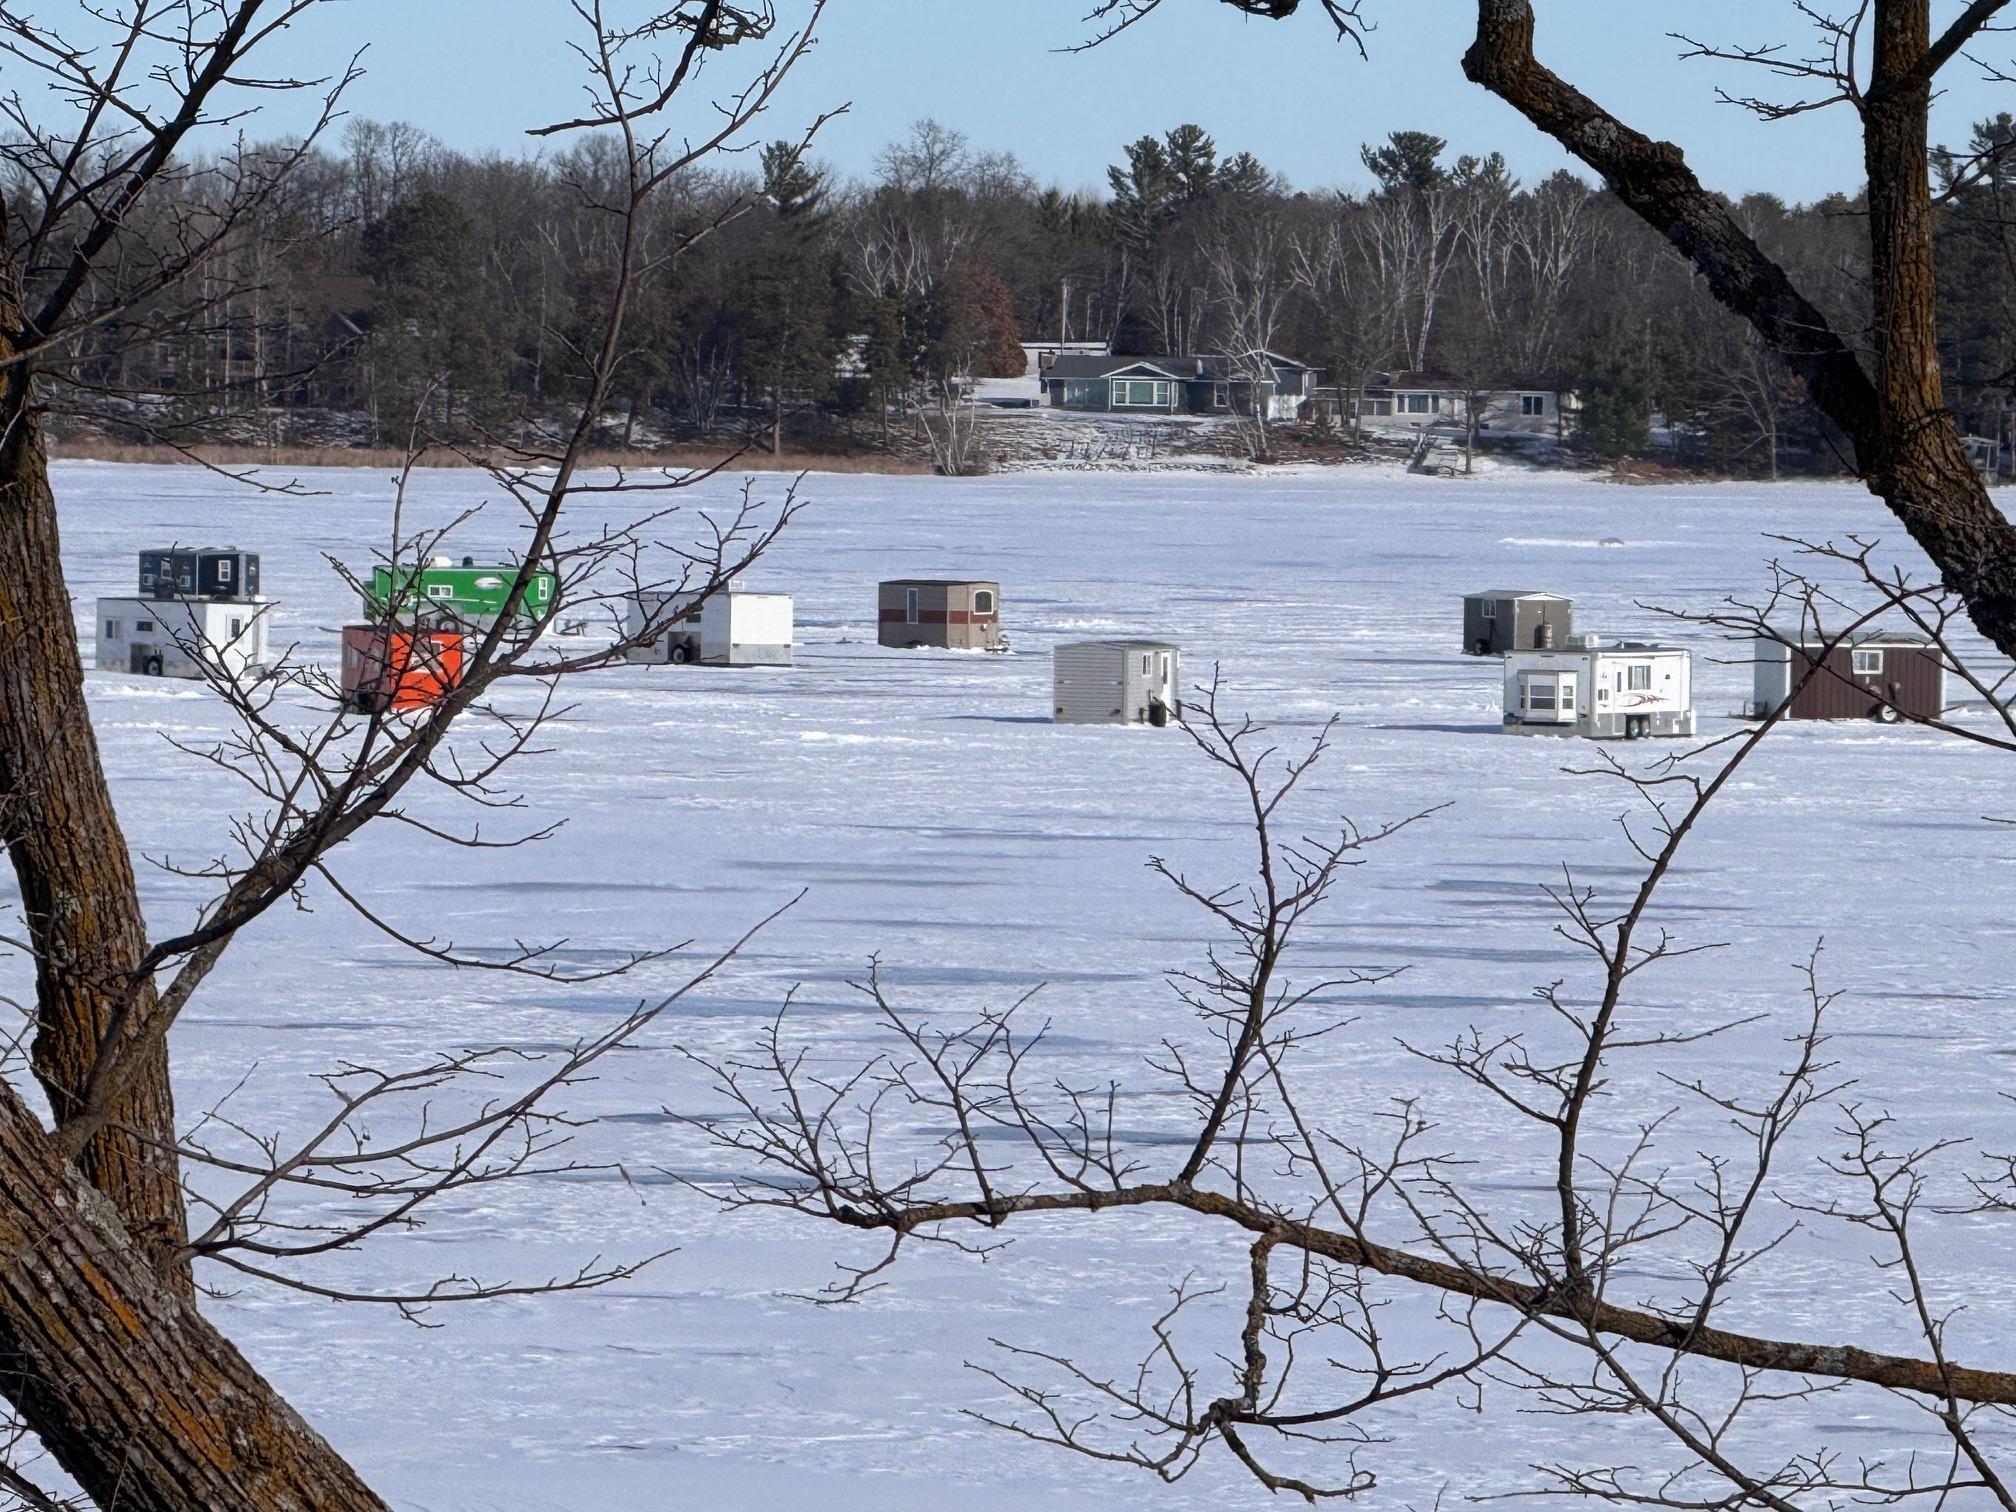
(393, 277)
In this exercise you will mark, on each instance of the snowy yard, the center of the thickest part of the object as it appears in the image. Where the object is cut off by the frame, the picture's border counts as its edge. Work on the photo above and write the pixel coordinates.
(940, 822)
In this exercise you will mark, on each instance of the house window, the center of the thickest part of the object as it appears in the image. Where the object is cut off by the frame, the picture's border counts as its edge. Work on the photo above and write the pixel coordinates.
(1381, 406)
(909, 606)
(983, 601)
(1414, 404)
(440, 590)
(1868, 663)
(1638, 676)
(1140, 393)
(112, 631)
(1532, 404)
(1077, 393)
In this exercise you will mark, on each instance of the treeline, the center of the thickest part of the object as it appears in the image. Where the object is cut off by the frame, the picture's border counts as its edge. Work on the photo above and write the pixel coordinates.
(395, 281)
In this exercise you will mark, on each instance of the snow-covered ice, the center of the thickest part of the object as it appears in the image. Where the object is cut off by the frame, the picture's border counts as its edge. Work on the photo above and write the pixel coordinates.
(939, 821)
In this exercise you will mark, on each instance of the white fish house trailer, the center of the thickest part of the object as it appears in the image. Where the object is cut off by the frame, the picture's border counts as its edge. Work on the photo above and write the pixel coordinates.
(183, 637)
(1117, 682)
(730, 628)
(1624, 690)
(1515, 619)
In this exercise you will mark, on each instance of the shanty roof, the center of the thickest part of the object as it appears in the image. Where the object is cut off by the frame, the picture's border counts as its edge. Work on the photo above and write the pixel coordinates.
(1514, 593)
(940, 583)
(1876, 638)
(1129, 644)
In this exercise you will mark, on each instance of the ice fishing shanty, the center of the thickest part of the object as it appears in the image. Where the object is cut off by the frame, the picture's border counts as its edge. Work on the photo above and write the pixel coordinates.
(1620, 690)
(392, 669)
(465, 595)
(1117, 682)
(1515, 619)
(198, 614)
(1876, 675)
(725, 628)
(183, 637)
(958, 614)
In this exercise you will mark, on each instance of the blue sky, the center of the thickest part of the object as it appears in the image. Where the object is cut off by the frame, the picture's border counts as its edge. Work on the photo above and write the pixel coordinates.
(475, 72)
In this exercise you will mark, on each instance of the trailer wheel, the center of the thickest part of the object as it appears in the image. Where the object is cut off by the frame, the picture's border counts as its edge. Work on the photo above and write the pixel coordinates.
(1886, 714)
(153, 666)
(680, 655)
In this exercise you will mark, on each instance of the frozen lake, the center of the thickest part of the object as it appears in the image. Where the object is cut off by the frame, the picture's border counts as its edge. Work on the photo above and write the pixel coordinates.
(939, 821)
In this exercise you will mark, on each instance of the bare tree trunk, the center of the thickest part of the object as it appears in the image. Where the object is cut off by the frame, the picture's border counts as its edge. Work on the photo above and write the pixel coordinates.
(140, 1400)
(70, 859)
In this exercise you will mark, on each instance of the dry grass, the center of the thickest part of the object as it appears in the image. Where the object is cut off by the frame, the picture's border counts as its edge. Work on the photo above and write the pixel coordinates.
(91, 449)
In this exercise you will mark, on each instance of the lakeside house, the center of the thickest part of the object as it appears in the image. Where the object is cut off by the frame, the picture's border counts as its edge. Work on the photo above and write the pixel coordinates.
(1268, 384)
(1407, 403)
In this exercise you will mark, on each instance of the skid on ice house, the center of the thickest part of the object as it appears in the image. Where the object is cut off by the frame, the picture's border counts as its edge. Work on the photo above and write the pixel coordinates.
(728, 628)
(1624, 690)
(959, 614)
(1116, 682)
(198, 613)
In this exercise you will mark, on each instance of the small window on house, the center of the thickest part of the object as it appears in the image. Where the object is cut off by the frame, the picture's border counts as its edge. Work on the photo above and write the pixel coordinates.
(112, 630)
(1532, 404)
(237, 628)
(142, 627)
(1868, 663)
(909, 606)
(1382, 406)
(1640, 675)
(983, 601)
(1414, 404)
(440, 590)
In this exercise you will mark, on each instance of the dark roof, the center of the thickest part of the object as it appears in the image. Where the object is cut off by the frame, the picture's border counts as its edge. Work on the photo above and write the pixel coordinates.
(1185, 369)
(1876, 639)
(940, 583)
(1497, 384)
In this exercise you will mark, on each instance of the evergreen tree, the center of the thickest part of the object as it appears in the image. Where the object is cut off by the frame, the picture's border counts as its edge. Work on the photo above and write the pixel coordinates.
(1409, 160)
(1616, 389)
(786, 301)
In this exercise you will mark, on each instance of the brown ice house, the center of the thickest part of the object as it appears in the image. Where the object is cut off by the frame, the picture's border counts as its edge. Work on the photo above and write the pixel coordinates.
(959, 614)
(1881, 676)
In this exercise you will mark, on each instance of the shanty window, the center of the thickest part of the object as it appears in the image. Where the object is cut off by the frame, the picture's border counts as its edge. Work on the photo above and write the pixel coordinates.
(440, 590)
(1567, 695)
(983, 601)
(141, 627)
(1147, 662)
(1540, 694)
(237, 628)
(112, 630)
(1532, 404)
(909, 606)
(224, 569)
(1141, 393)
(1638, 676)
(1868, 663)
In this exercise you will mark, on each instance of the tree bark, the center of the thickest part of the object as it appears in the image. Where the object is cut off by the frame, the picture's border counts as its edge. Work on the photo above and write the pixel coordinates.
(78, 893)
(1907, 442)
(141, 1401)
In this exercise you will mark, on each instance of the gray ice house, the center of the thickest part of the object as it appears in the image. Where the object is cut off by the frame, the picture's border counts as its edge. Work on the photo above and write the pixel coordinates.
(1117, 682)
(1515, 619)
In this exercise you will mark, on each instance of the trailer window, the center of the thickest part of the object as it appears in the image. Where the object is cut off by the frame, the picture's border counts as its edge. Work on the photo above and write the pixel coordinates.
(1567, 695)
(1868, 663)
(112, 630)
(1639, 676)
(1540, 695)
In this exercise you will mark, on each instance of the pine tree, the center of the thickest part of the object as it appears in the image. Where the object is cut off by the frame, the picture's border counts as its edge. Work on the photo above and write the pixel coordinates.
(1616, 389)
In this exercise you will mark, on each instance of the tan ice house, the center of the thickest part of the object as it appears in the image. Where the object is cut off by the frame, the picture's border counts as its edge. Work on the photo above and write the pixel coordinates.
(958, 614)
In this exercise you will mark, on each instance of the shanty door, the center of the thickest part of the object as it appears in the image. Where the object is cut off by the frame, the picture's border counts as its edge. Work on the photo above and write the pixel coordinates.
(1547, 697)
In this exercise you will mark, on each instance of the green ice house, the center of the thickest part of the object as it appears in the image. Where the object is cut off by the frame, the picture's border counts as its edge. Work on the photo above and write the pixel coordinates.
(466, 595)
